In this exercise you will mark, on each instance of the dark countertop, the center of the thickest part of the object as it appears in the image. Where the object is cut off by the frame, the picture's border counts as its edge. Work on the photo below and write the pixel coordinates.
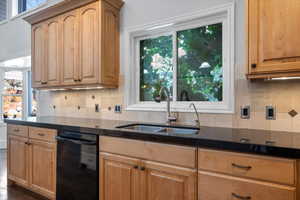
(273, 143)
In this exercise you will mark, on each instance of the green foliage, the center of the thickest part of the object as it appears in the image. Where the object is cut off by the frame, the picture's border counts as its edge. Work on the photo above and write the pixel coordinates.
(199, 65)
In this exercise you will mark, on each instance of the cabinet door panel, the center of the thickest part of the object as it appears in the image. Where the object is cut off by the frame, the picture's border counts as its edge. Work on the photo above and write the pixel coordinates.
(273, 36)
(53, 52)
(118, 177)
(38, 55)
(42, 156)
(89, 44)
(161, 182)
(110, 45)
(213, 186)
(18, 160)
(70, 45)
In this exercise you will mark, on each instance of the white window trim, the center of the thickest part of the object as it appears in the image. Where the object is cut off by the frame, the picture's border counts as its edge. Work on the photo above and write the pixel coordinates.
(206, 16)
(24, 95)
(27, 12)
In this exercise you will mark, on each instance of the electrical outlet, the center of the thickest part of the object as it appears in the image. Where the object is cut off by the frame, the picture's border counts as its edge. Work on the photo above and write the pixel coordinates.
(245, 112)
(97, 108)
(118, 108)
(270, 113)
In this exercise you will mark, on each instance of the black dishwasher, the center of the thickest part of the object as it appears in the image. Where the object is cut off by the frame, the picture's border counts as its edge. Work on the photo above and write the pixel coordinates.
(77, 166)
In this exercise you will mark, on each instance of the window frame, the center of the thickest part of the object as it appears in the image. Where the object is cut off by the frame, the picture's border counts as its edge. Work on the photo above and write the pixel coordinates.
(223, 14)
(6, 19)
(24, 95)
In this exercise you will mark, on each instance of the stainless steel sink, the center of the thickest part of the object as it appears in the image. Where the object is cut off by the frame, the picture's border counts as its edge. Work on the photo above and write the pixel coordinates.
(160, 129)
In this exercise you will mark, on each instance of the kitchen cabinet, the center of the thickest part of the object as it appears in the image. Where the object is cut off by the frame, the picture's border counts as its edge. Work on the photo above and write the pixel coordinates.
(76, 44)
(135, 177)
(42, 170)
(273, 43)
(32, 159)
(18, 159)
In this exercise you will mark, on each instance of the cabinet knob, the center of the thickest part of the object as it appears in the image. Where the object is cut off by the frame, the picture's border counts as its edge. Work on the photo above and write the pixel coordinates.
(44, 82)
(253, 65)
(136, 167)
(143, 168)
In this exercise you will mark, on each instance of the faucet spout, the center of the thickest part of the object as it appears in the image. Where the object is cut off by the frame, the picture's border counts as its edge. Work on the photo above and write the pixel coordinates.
(196, 113)
(170, 117)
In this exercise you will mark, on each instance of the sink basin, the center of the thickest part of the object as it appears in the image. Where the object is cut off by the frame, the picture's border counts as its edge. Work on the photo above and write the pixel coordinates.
(160, 129)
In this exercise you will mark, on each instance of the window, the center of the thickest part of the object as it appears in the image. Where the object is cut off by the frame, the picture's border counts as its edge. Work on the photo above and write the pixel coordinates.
(12, 96)
(24, 5)
(18, 100)
(3, 10)
(191, 56)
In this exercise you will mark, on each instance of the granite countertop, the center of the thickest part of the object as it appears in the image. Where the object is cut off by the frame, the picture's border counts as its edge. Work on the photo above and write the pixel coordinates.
(274, 143)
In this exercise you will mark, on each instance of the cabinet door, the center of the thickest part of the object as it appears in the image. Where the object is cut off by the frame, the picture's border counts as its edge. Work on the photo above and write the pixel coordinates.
(110, 45)
(213, 186)
(89, 44)
(70, 46)
(161, 182)
(42, 164)
(18, 160)
(38, 55)
(274, 36)
(53, 52)
(119, 177)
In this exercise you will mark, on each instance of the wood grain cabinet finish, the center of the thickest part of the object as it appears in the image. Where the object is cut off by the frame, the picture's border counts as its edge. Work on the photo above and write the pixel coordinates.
(32, 159)
(76, 44)
(212, 186)
(38, 46)
(248, 166)
(136, 176)
(119, 177)
(18, 160)
(273, 38)
(42, 172)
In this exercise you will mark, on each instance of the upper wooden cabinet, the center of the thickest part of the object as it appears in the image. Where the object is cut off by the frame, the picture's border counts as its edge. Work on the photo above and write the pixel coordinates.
(274, 45)
(76, 44)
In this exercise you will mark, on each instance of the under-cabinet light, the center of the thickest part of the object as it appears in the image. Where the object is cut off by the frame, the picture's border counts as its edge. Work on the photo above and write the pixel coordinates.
(284, 78)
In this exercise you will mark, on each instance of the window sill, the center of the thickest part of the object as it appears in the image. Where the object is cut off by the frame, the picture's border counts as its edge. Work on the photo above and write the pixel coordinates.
(214, 108)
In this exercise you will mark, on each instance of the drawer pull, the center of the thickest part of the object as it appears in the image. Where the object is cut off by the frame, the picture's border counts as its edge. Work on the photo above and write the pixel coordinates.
(16, 130)
(41, 134)
(240, 197)
(241, 166)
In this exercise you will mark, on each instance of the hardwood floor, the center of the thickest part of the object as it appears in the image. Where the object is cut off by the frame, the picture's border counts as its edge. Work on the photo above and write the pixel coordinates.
(13, 192)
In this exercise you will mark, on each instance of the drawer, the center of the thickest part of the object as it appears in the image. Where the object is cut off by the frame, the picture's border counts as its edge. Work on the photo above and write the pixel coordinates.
(249, 166)
(17, 130)
(170, 154)
(213, 186)
(44, 134)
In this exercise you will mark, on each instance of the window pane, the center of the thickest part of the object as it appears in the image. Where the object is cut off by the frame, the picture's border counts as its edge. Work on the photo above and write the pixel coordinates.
(199, 64)
(156, 69)
(33, 3)
(13, 82)
(3, 10)
(12, 106)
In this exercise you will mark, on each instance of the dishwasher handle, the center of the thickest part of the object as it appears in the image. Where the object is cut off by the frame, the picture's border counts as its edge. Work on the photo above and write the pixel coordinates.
(76, 141)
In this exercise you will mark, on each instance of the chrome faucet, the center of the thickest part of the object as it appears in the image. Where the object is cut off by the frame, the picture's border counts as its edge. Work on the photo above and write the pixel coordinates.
(170, 118)
(197, 120)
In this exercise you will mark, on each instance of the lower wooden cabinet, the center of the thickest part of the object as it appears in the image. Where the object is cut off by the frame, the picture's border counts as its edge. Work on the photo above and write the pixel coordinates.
(18, 160)
(213, 186)
(161, 182)
(119, 177)
(32, 162)
(42, 171)
(126, 178)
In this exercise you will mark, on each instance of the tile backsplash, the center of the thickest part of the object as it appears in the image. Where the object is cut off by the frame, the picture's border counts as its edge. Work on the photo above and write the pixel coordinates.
(284, 95)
